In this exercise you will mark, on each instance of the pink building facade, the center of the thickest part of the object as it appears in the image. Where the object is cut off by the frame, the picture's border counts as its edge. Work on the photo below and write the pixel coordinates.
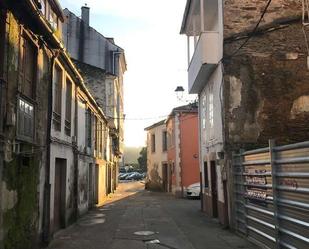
(183, 148)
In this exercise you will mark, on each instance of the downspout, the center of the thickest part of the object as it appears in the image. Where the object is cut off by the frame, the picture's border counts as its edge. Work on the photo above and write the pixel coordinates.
(75, 153)
(47, 185)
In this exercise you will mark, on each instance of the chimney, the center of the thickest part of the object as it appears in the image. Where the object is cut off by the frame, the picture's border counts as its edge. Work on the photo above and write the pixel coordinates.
(85, 14)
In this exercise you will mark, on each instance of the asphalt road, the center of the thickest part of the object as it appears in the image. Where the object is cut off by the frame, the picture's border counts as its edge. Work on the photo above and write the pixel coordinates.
(172, 224)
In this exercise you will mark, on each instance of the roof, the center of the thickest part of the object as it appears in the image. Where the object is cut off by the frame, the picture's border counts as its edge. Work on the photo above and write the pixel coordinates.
(185, 17)
(155, 125)
(109, 39)
(190, 108)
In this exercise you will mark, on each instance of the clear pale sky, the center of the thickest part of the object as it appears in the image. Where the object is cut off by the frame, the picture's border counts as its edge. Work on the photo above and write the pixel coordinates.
(148, 31)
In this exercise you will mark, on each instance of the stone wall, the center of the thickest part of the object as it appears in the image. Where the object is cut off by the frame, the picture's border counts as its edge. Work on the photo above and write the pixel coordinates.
(23, 161)
(94, 79)
(266, 88)
(242, 15)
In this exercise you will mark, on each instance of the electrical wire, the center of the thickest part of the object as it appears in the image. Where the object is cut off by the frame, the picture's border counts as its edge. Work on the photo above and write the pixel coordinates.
(252, 33)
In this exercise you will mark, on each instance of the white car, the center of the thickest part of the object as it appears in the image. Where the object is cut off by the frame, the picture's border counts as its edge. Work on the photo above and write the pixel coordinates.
(194, 190)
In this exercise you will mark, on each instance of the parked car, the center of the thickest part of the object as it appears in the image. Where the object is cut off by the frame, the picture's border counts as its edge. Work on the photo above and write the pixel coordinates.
(194, 190)
(134, 176)
(123, 176)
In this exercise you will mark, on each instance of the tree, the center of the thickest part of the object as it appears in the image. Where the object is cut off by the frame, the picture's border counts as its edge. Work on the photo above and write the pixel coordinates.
(142, 160)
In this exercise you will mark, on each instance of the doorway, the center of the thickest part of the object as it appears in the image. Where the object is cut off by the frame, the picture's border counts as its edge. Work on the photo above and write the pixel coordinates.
(90, 186)
(165, 177)
(96, 184)
(59, 193)
(214, 188)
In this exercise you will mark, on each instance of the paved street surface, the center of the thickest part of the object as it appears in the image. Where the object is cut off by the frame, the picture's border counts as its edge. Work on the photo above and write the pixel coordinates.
(175, 223)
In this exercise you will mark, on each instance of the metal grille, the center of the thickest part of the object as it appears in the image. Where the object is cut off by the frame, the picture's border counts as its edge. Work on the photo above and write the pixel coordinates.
(271, 190)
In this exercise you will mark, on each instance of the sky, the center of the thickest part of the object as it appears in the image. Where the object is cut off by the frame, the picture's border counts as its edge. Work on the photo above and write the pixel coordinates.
(156, 54)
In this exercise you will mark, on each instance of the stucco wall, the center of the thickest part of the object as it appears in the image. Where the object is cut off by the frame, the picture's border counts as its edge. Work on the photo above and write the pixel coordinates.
(155, 159)
(66, 153)
(189, 149)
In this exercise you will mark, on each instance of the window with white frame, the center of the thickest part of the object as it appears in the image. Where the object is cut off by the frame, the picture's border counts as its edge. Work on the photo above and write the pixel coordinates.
(211, 107)
(25, 119)
(211, 111)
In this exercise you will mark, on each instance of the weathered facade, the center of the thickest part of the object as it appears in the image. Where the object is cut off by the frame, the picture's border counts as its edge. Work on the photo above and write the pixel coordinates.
(54, 137)
(158, 172)
(102, 64)
(246, 96)
(27, 52)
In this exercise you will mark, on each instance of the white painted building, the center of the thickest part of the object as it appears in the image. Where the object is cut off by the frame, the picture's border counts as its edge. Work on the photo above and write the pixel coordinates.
(203, 25)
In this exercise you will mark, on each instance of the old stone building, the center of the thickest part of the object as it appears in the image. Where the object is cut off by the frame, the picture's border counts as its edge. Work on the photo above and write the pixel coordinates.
(251, 85)
(54, 137)
(29, 47)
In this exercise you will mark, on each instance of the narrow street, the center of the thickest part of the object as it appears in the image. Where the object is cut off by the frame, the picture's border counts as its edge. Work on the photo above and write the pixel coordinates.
(176, 223)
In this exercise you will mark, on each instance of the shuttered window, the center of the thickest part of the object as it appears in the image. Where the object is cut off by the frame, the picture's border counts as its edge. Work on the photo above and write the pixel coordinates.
(68, 109)
(57, 98)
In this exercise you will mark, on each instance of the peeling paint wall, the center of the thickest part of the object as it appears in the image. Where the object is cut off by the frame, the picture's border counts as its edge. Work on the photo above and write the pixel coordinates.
(272, 87)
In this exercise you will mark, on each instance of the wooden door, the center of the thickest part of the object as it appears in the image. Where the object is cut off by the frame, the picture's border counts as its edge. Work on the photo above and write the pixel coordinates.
(59, 194)
(165, 177)
(214, 189)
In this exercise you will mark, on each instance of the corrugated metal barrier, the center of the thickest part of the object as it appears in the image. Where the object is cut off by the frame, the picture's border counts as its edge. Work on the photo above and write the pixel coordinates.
(271, 190)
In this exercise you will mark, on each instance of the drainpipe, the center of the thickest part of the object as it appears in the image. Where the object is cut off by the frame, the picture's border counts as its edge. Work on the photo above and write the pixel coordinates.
(75, 153)
(47, 185)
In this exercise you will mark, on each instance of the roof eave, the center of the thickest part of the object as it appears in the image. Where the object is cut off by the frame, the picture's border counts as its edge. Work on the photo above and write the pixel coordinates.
(185, 17)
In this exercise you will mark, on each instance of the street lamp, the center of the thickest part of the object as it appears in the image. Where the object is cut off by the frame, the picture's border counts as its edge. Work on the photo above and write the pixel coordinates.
(179, 92)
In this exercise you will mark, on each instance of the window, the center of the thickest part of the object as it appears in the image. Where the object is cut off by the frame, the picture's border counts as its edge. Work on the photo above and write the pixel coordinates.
(164, 141)
(25, 119)
(96, 135)
(206, 180)
(68, 109)
(53, 19)
(153, 143)
(100, 139)
(27, 68)
(88, 128)
(57, 98)
(211, 107)
(43, 7)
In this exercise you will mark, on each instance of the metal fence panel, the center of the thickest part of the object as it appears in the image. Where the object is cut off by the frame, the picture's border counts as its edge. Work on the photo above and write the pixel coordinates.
(271, 191)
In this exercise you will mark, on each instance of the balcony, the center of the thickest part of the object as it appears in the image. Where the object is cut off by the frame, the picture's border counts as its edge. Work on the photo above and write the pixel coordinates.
(208, 52)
